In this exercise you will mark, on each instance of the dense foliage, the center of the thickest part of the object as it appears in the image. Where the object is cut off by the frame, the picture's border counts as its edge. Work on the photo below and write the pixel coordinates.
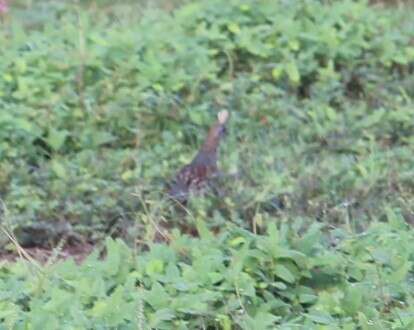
(100, 103)
(236, 280)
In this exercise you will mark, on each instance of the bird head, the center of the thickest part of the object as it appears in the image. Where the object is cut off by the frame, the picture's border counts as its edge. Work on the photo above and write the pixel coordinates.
(222, 118)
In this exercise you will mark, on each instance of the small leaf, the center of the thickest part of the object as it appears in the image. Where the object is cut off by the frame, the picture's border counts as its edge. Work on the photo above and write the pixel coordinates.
(294, 45)
(157, 297)
(154, 266)
(273, 233)
(56, 138)
(197, 117)
(320, 317)
(58, 169)
(225, 322)
(353, 300)
(277, 72)
(127, 175)
(202, 229)
(307, 298)
(237, 241)
(234, 28)
(284, 273)
(102, 137)
(244, 7)
(279, 285)
(293, 72)
(164, 314)
(215, 277)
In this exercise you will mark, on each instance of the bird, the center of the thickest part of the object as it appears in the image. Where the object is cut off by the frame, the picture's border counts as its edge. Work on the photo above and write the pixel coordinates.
(195, 177)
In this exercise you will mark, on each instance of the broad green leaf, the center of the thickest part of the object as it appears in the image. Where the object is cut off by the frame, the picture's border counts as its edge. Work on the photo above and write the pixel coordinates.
(283, 273)
(59, 169)
(164, 314)
(234, 28)
(157, 297)
(352, 301)
(154, 266)
(237, 240)
(320, 317)
(277, 72)
(56, 138)
(307, 298)
(292, 72)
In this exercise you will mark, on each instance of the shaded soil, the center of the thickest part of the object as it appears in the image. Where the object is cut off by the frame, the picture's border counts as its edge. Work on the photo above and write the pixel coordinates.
(77, 252)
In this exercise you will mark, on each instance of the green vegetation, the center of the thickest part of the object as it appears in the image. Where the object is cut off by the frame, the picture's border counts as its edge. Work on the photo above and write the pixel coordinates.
(236, 280)
(100, 104)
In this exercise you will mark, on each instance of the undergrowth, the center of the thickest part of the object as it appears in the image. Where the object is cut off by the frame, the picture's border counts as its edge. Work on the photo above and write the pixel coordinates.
(235, 280)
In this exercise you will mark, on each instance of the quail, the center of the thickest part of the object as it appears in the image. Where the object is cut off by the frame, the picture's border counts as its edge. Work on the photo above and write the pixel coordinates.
(196, 176)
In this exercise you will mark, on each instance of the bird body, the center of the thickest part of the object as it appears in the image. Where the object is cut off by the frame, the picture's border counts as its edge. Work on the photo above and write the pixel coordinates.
(195, 176)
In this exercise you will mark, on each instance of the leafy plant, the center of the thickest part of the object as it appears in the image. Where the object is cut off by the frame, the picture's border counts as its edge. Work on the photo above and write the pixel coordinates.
(236, 280)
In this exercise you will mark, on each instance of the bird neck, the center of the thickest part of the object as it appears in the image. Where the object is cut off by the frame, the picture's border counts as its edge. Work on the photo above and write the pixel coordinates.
(204, 157)
(208, 151)
(212, 140)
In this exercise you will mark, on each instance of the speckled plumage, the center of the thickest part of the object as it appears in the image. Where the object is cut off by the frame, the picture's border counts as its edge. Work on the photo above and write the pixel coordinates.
(195, 177)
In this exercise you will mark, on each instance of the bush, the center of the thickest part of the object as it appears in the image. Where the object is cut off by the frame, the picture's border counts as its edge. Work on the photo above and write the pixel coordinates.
(236, 280)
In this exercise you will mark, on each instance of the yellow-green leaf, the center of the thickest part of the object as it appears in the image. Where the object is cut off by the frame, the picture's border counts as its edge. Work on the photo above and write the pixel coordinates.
(293, 72)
